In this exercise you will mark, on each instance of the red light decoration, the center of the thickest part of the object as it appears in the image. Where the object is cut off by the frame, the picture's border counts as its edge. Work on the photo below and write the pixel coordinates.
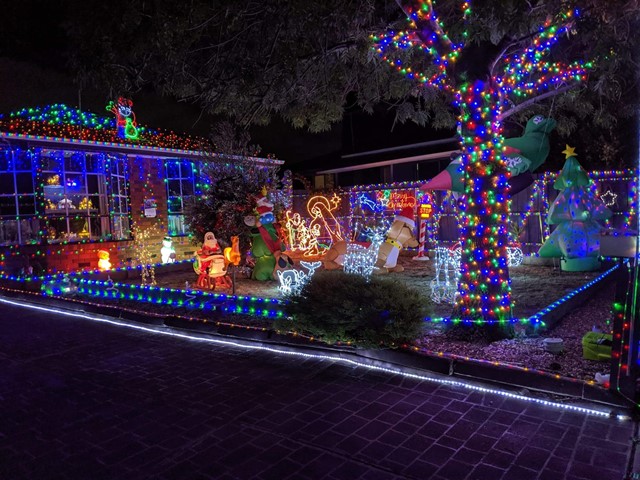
(396, 200)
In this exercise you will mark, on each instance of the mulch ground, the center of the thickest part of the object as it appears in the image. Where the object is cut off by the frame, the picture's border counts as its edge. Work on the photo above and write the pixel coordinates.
(533, 288)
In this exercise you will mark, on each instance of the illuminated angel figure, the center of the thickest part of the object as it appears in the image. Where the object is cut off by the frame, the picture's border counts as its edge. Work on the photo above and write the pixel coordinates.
(321, 210)
(125, 118)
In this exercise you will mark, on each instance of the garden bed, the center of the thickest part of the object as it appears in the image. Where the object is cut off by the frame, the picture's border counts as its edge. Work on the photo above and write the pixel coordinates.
(534, 287)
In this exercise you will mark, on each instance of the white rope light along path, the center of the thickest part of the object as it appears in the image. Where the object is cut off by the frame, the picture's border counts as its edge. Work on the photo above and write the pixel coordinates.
(336, 359)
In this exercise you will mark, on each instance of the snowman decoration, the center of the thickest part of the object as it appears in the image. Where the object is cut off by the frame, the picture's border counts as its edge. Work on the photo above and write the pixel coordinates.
(167, 251)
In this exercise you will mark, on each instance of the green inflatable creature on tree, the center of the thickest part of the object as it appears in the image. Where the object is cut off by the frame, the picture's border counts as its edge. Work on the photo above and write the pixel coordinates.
(523, 155)
(576, 212)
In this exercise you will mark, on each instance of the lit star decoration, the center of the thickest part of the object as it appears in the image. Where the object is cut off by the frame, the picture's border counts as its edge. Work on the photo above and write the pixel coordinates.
(569, 151)
(367, 202)
(484, 286)
(609, 198)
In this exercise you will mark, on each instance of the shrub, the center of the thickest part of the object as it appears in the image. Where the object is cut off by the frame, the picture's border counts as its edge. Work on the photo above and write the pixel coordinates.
(339, 307)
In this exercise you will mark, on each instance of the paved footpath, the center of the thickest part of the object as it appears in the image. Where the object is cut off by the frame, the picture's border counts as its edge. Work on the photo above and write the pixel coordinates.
(83, 400)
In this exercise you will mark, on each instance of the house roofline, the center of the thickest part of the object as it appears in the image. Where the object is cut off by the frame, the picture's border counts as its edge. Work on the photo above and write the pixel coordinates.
(397, 161)
(404, 147)
(126, 148)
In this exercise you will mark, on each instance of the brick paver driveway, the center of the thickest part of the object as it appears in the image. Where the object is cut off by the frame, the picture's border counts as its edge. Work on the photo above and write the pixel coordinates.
(82, 400)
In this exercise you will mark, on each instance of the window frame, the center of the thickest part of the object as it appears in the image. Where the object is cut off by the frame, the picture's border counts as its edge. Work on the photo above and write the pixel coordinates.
(99, 176)
(17, 216)
(178, 228)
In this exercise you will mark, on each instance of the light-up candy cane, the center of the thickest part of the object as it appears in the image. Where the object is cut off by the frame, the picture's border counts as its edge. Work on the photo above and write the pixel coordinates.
(425, 211)
(422, 255)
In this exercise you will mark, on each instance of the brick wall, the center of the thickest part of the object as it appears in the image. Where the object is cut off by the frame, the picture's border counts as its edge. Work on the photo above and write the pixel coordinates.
(146, 178)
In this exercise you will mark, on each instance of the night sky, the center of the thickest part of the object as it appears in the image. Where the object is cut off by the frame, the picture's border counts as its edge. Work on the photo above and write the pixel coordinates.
(34, 71)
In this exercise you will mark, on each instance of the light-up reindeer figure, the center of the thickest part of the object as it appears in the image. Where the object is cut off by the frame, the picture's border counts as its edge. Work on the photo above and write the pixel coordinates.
(292, 281)
(359, 260)
(444, 285)
(125, 118)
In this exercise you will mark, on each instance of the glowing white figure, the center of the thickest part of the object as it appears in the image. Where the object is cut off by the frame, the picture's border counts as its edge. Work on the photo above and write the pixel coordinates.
(444, 287)
(292, 281)
(167, 252)
(515, 256)
(311, 267)
(360, 260)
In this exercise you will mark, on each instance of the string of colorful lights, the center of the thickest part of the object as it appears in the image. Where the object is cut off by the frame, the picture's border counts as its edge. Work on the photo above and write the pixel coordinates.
(484, 282)
(444, 206)
(62, 121)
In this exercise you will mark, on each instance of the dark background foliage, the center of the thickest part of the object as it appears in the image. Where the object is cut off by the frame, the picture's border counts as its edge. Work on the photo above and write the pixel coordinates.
(308, 65)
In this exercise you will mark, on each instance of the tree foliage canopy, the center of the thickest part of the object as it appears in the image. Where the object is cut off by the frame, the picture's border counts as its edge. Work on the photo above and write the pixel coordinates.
(234, 180)
(308, 61)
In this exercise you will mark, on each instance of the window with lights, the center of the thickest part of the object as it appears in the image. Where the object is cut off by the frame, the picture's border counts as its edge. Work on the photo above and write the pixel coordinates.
(85, 196)
(20, 217)
(182, 185)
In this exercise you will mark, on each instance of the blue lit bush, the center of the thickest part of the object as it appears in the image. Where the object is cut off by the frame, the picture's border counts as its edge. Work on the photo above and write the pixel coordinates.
(339, 307)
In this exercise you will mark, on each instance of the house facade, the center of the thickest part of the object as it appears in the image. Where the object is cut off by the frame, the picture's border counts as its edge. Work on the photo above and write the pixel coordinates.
(73, 184)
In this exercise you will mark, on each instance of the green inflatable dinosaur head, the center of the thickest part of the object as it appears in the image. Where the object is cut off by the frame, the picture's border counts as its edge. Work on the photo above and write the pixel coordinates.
(538, 123)
(532, 148)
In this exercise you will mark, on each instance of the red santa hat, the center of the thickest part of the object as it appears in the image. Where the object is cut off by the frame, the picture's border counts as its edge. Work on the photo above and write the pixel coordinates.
(263, 205)
(406, 216)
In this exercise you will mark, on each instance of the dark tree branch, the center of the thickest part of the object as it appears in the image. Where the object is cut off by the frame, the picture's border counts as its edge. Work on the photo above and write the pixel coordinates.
(536, 99)
(425, 29)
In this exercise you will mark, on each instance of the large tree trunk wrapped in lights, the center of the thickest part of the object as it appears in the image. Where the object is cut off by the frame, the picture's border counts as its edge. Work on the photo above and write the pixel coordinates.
(484, 290)
(519, 75)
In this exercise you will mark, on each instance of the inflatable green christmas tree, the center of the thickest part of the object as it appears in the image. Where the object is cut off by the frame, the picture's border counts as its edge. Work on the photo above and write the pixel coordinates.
(576, 212)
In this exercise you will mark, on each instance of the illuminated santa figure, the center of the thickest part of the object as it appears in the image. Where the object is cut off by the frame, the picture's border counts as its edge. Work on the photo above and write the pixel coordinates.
(209, 262)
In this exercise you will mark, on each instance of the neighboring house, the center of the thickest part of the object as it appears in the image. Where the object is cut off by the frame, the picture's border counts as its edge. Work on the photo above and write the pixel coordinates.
(405, 163)
(73, 183)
